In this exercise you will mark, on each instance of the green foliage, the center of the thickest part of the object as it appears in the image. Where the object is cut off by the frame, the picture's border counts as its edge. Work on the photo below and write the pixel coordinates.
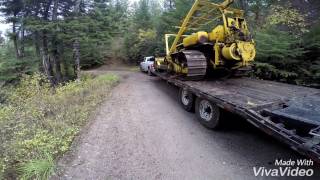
(277, 46)
(312, 38)
(289, 17)
(142, 15)
(50, 36)
(144, 44)
(145, 35)
(281, 57)
(92, 31)
(286, 50)
(38, 122)
(311, 68)
(138, 36)
(270, 72)
(38, 169)
(11, 68)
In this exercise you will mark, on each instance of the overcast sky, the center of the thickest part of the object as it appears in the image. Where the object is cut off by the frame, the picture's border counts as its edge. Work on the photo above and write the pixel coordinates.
(3, 26)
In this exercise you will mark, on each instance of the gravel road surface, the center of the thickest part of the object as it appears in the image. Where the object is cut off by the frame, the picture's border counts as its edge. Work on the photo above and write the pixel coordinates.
(141, 132)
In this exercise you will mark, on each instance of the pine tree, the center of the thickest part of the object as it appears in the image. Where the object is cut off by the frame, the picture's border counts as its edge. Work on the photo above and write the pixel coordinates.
(12, 10)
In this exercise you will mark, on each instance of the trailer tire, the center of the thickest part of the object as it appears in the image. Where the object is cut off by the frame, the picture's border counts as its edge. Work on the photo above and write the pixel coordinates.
(186, 99)
(207, 113)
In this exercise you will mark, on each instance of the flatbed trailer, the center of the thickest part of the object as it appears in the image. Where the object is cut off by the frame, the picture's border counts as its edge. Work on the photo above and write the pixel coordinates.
(287, 112)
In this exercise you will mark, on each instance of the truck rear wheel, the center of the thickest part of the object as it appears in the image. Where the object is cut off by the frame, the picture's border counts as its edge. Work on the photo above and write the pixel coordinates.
(186, 99)
(208, 113)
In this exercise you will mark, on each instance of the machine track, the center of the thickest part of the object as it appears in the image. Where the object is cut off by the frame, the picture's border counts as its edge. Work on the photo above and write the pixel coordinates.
(197, 64)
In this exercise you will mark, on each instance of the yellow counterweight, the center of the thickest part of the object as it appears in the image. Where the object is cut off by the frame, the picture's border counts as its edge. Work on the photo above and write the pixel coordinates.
(217, 34)
(196, 38)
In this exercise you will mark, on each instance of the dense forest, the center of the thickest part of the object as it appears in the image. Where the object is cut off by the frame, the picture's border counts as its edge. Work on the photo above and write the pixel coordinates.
(45, 100)
(59, 37)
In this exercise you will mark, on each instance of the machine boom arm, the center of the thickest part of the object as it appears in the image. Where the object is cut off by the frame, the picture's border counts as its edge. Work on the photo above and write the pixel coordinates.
(202, 12)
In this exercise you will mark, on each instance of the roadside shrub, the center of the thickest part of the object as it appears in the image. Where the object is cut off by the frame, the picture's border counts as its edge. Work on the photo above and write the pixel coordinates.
(11, 68)
(38, 124)
(37, 169)
(270, 72)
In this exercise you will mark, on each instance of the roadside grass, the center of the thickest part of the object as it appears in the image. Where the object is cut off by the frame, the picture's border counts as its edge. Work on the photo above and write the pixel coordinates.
(37, 168)
(38, 124)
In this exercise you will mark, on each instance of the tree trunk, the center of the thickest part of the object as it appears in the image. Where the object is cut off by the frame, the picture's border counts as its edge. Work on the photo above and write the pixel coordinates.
(65, 68)
(171, 4)
(57, 63)
(22, 41)
(55, 10)
(15, 38)
(76, 56)
(44, 50)
(76, 44)
(257, 17)
(36, 40)
(55, 53)
(244, 6)
(36, 37)
(47, 65)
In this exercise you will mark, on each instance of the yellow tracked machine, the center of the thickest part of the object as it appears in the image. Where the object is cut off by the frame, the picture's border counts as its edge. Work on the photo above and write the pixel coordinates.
(228, 45)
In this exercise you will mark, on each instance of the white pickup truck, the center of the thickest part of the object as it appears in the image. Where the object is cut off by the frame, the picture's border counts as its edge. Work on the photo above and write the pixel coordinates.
(147, 65)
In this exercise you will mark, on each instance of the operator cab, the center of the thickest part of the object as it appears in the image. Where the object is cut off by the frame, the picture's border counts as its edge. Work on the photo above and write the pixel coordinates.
(238, 27)
(149, 59)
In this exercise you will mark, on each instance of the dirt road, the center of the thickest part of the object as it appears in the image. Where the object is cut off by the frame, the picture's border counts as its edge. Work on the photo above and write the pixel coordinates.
(141, 132)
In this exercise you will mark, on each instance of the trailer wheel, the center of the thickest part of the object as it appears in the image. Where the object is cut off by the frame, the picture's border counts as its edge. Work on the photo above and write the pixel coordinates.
(208, 113)
(186, 99)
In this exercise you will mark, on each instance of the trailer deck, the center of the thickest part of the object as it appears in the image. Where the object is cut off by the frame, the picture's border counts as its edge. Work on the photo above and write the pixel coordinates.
(287, 112)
